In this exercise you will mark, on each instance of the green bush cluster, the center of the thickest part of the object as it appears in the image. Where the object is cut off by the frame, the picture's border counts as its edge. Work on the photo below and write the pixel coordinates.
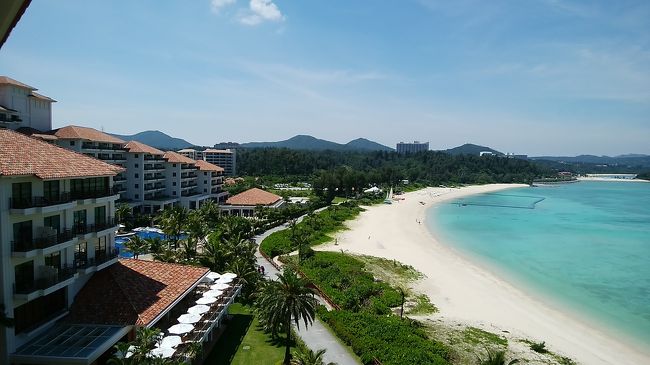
(344, 280)
(387, 338)
(325, 222)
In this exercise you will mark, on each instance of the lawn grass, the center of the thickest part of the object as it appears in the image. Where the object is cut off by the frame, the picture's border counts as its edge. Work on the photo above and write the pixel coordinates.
(244, 342)
(338, 199)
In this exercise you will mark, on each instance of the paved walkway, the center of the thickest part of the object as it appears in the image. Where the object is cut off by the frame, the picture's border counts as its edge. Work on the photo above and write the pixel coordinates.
(315, 336)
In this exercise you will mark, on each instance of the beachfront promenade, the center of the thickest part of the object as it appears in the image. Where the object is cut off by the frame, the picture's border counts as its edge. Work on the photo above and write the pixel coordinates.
(317, 336)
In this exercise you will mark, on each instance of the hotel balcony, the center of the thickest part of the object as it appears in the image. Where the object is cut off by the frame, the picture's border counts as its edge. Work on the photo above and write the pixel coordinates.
(102, 259)
(41, 204)
(96, 229)
(101, 146)
(149, 167)
(30, 247)
(153, 158)
(93, 194)
(189, 193)
(50, 280)
(154, 177)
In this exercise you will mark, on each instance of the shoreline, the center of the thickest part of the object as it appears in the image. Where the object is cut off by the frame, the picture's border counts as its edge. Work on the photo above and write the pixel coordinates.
(467, 291)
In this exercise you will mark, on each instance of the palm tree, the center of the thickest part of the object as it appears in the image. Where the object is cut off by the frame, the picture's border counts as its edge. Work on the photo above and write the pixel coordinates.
(122, 211)
(305, 356)
(173, 221)
(284, 301)
(137, 245)
(497, 358)
(5, 321)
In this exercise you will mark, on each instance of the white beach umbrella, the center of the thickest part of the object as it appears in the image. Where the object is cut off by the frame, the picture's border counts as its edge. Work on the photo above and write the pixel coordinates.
(213, 275)
(181, 328)
(229, 275)
(223, 280)
(163, 352)
(199, 309)
(170, 341)
(213, 293)
(189, 318)
(219, 286)
(206, 300)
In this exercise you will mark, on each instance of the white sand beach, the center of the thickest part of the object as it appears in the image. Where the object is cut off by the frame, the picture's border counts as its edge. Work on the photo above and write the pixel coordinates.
(467, 291)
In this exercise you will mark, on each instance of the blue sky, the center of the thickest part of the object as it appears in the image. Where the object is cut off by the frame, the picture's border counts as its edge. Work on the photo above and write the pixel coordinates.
(533, 77)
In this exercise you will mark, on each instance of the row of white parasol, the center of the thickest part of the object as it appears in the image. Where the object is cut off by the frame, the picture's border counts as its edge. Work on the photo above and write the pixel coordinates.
(167, 346)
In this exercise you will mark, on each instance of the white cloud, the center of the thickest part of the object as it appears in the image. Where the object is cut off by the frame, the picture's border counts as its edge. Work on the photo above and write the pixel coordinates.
(217, 5)
(260, 11)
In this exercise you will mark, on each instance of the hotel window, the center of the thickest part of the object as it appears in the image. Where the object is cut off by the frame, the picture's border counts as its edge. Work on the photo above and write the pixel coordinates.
(173, 192)
(24, 276)
(51, 190)
(21, 191)
(137, 176)
(53, 260)
(205, 181)
(173, 174)
(71, 143)
(100, 215)
(173, 183)
(136, 166)
(23, 232)
(205, 174)
(173, 165)
(205, 190)
(53, 222)
(137, 185)
(136, 155)
(80, 255)
(79, 219)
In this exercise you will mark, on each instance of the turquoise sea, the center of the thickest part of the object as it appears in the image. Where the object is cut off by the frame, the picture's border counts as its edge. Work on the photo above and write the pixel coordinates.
(585, 246)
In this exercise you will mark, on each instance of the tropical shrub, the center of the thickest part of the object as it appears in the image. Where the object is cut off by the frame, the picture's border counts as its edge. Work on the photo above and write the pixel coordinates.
(387, 338)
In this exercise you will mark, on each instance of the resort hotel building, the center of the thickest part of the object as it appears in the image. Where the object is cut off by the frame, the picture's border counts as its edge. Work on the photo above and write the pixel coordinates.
(414, 147)
(224, 158)
(245, 203)
(70, 296)
(22, 107)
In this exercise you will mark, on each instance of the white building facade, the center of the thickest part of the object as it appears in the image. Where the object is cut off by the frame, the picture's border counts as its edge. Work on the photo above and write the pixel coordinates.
(22, 107)
(57, 227)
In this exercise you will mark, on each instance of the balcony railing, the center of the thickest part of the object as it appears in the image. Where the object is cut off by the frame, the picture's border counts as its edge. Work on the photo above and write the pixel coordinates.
(100, 146)
(83, 262)
(154, 177)
(40, 243)
(39, 201)
(153, 167)
(91, 194)
(59, 275)
(81, 229)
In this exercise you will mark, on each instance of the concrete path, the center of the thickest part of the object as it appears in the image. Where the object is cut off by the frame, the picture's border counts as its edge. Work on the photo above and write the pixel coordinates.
(315, 336)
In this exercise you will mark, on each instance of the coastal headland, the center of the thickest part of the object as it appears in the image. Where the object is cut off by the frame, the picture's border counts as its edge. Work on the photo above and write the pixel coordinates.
(469, 292)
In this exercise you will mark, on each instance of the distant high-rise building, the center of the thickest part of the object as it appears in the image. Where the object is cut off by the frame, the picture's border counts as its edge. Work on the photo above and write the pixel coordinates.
(414, 147)
(226, 145)
(223, 158)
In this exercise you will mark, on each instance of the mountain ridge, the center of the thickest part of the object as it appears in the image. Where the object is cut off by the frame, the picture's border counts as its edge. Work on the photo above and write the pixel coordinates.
(157, 139)
(307, 142)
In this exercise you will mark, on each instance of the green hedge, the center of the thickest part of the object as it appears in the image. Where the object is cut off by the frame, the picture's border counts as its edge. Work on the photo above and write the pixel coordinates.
(387, 338)
(344, 280)
(325, 222)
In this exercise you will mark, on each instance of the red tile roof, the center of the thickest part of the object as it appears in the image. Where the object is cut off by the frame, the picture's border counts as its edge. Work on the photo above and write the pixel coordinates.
(174, 157)
(253, 196)
(9, 81)
(90, 134)
(206, 166)
(133, 292)
(138, 147)
(22, 155)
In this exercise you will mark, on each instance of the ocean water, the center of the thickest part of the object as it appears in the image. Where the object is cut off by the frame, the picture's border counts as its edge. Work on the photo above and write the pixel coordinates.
(585, 246)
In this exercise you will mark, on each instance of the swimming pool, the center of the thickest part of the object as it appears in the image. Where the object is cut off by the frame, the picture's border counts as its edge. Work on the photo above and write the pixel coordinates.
(142, 233)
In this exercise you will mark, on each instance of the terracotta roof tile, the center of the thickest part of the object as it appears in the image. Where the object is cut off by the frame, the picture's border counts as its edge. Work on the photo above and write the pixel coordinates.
(23, 155)
(206, 166)
(139, 147)
(90, 134)
(253, 196)
(175, 157)
(132, 292)
(9, 81)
